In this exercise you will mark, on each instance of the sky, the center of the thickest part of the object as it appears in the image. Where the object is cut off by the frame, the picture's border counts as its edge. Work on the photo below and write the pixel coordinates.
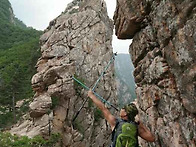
(38, 14)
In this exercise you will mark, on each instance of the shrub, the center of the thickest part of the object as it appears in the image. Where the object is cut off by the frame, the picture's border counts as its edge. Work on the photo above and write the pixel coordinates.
(8, 140)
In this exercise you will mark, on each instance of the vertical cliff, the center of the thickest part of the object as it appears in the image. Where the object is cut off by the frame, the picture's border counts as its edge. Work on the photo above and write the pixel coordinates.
(77, 43)
(164, 55)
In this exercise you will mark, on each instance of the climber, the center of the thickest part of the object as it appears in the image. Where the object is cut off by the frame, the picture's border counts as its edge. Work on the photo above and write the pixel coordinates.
(127, 114)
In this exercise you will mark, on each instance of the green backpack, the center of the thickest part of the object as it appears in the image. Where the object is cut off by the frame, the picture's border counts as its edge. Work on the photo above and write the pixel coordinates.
(125, 134)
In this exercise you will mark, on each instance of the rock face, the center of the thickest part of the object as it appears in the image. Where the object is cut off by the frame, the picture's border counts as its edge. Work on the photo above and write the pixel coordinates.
(77, 43)
(164, 55)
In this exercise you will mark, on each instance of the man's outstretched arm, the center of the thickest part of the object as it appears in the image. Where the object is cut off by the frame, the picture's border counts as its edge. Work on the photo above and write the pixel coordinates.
(107, 114)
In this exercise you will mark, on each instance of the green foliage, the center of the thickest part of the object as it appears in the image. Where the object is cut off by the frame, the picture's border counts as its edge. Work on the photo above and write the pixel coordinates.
(24, 108)
(55, 102)
(6, 119)
(90, 103)
(7, 116)
(12, 35)
(8, 140)
(16, 69)
(54, 138)
(4, 10)
(20, 24)
(7, 16)
(18, 55)
(19, 51)
(77, 125)
(97, 115)
(13, 31)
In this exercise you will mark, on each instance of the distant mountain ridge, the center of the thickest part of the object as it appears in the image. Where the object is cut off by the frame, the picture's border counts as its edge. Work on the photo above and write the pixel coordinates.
(13, 31)
(7, 14)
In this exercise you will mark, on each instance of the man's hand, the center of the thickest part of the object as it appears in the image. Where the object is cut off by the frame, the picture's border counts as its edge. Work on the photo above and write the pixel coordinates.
(90, 93)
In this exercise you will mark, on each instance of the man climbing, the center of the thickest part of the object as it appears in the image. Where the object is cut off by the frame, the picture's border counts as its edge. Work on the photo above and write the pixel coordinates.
(125, 130)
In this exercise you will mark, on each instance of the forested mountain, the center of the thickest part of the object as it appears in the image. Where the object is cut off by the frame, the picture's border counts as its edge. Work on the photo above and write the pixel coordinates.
(7, 14)
(12, 30)
(124, 77)
(19, 51)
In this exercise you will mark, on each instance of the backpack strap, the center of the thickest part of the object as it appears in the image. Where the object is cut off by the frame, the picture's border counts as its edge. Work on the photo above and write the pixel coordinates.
(115, 131)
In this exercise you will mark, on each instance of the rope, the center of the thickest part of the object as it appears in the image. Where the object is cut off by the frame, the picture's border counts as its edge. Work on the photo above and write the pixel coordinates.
(111, 60)
(98, 96)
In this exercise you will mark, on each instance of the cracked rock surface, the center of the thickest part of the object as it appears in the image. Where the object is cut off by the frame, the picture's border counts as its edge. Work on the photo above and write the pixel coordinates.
(164, 55)
(76, 43)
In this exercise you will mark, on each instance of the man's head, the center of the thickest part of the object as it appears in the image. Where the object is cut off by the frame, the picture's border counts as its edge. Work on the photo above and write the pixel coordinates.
(129, 111)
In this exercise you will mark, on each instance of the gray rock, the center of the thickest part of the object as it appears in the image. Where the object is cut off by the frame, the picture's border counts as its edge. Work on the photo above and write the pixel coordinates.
(163, 53)
(40, 106)
(77, 43)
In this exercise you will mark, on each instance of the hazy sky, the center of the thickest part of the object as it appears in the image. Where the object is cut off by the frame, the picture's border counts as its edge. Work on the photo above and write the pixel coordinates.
(38, 14)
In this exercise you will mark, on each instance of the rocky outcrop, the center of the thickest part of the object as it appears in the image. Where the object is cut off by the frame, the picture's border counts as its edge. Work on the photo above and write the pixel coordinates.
(164, 55)
(77, 43)
(129, 17)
